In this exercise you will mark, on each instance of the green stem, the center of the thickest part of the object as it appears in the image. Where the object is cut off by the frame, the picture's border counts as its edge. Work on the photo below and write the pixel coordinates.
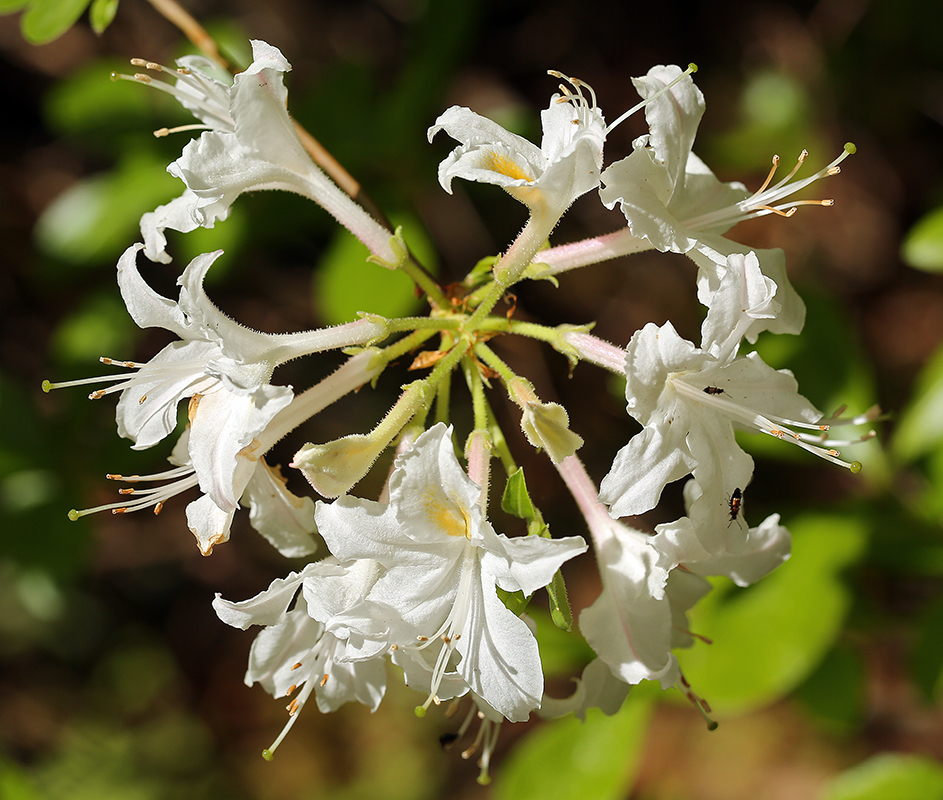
(477, 388)
(405, 344)
(494, 361)
(425, 282)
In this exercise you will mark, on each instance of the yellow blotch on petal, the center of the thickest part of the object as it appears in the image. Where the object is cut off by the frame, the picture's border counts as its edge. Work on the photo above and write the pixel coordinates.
(443, 516)
(504, 166)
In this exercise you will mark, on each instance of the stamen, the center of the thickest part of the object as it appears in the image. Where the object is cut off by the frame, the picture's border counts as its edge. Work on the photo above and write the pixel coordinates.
(209, 97)
(781, 428)
(768, 199)
(692, 68)
(181, 479)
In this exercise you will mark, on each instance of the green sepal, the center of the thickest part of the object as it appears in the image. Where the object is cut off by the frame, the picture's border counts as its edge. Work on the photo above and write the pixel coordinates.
(515, 602)
(480, 272)
(560, 611)
(516, 501)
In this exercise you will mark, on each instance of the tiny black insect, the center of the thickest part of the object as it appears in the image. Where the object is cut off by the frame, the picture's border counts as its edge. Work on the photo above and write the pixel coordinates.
(735, 501)
(714, 390)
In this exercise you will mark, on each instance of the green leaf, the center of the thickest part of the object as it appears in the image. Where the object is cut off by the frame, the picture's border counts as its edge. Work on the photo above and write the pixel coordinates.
(96, 217)
(923, 244)
(516, 500)
(889, 776)
(769, 638)
(102, 13)
(8, 7)
(564, 759)
(920, 429)
(345, 283)
(46, 20)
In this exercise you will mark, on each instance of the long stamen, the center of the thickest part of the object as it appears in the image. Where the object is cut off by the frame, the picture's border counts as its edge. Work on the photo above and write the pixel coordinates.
(823, 447)
(692, 68)
(154, 373)
(181, 479)
(769, 199)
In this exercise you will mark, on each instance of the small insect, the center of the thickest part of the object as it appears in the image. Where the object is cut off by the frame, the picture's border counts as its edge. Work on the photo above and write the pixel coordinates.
(714, 390)
(735, 501)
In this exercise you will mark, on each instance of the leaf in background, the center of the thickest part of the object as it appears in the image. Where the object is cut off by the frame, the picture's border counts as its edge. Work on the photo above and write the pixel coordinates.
(8, 7)
(345, 283)
(768, 638)
(567, 758)
(920, 429)
(102, 13)
(46, 20)
(889, 776)
(923, 244)
(97, 217)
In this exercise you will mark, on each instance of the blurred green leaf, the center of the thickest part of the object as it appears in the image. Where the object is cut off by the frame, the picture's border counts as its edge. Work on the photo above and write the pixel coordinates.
(102, 13)
(567, 758)
(767, 639)
(920, 429)
(923, 245)
(927, 655)
(8, 7)
(97, 217)
(561, 652)
(46, 20)
(90, 102)
(889, 777)
(99, 326)
(15, 784)
(834, 693)
(346, 283)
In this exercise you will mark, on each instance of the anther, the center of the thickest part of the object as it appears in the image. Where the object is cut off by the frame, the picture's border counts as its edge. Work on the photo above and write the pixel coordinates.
(296, 666)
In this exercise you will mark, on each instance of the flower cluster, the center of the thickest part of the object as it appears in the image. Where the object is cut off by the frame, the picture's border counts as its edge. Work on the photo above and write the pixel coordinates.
(420, 576)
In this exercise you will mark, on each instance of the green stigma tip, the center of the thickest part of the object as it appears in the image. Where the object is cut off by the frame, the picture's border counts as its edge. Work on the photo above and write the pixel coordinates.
(712, 725)
(419, 711)
(483, 780)
(74, 515)
(268, 755)
(692, 66)
(850, 148)
(855, 467)
(47, 386)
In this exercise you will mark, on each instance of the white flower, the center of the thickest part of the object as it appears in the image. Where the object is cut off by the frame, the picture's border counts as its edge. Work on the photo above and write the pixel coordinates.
(252, 145)
(688, 402)
(296, 651)
(670, 197)
(443, 562)
(547, 179)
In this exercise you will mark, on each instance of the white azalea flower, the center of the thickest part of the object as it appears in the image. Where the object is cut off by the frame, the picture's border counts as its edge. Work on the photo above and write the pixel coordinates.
(214, 356)
(215, 454)
(296, 651)
(252, 145)
(671, 199)
(443, 562)
(547, 179)
(688, 402)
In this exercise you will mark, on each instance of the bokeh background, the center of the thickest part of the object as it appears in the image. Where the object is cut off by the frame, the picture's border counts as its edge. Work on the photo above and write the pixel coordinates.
(118, 681)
